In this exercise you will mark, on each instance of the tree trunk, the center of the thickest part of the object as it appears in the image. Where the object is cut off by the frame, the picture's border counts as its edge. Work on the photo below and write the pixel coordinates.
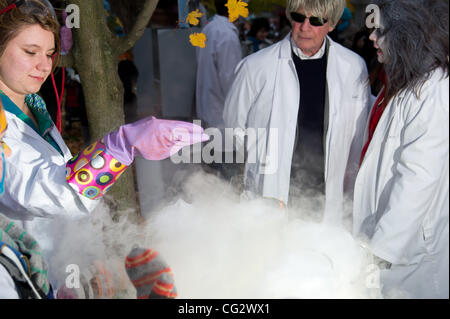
(95, 56)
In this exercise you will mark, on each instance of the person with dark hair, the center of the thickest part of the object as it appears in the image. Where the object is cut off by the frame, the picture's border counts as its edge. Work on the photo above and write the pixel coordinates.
(129, 74)
(221, 9)
(215, 66)
(401, 198)
(257, 37)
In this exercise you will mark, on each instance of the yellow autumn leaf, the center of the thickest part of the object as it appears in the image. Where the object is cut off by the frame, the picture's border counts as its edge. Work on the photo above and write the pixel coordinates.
(193, 16)
(198, 40)
(237, 8)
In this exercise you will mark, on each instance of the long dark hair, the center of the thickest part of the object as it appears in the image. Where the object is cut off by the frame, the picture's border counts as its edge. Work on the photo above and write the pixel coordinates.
(415, 42)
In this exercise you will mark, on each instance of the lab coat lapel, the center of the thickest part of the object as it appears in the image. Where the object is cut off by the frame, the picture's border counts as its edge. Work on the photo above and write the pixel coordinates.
(336, 79)
(381, 130)
(283, 119)
(62, 145)
(33, 135)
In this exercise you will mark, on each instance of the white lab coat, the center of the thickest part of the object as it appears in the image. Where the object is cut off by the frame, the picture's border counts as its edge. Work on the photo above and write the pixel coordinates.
(215, 69)
(7, 286)
(266, 94)
(401, 197)
(35, 185)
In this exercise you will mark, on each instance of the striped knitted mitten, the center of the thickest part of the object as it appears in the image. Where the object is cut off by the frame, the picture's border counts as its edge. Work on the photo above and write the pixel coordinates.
(151, 276)
(13, 235)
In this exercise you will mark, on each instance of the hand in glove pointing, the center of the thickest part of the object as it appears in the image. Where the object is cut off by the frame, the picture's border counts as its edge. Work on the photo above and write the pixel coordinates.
(95, 169)
(152, 139)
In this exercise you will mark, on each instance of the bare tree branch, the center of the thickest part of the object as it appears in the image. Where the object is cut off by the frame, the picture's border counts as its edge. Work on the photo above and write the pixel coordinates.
(128, 42)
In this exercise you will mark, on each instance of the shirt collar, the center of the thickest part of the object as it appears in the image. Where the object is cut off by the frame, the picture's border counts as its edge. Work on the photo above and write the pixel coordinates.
(302, 56)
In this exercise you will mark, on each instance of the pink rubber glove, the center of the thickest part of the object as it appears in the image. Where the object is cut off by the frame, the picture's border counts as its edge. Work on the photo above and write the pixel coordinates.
(152, 139)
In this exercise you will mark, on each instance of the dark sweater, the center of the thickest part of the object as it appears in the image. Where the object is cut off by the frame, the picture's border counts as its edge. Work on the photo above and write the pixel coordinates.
(312, 75)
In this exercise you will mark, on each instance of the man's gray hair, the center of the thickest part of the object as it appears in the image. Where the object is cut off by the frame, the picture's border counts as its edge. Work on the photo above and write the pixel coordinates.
(327, 9)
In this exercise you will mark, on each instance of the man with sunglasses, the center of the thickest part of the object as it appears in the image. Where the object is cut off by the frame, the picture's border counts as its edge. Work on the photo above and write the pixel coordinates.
(312, 95)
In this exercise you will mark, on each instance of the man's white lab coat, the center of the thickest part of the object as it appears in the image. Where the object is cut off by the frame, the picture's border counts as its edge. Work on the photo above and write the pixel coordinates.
(266, 95)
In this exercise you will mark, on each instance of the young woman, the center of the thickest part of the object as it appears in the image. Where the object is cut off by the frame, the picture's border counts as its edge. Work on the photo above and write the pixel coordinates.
(42, 177)
(37, 187)
(16, 243)
(401, 198)
(23, 270)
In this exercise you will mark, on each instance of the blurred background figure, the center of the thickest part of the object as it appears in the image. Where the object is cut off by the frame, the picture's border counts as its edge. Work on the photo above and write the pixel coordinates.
(216, 64)
(129, 74)
(215, 74)
(244, 28)
(257, 37)
(75, 106)
(197, 4)
(284, 26)
(345, 30)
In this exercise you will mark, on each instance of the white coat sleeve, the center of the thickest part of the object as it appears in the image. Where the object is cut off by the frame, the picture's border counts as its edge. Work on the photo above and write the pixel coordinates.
(362, 103)
(238, 104)
(228, 56)
(417, 168)
(7, 286)
(41, 191)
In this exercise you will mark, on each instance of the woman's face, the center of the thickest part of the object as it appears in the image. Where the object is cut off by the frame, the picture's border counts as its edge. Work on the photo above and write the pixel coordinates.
(27, 61)
(378, 43)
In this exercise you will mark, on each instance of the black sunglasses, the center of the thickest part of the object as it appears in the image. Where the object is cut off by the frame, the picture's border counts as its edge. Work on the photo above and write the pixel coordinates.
(314, 21)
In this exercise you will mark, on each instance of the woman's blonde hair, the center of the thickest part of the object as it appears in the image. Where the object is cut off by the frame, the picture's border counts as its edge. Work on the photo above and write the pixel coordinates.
(327, 9)
(30, 12)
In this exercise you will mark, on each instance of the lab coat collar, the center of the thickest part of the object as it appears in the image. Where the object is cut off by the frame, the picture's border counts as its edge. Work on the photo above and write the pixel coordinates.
(27, 130)
(285, 48)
